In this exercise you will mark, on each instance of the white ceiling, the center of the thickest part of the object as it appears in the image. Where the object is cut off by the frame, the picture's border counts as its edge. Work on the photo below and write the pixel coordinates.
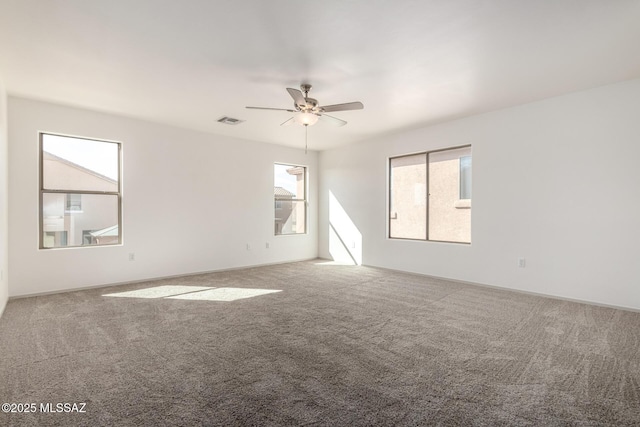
(411, 63)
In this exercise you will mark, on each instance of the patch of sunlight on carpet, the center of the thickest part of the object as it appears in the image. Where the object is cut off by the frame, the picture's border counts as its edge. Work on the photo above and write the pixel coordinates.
(225, 294)
(159, 291)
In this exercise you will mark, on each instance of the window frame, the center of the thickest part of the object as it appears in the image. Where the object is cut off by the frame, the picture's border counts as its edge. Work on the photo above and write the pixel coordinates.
(464, 189)
(42, 191)
(390, 188)
(305, 200)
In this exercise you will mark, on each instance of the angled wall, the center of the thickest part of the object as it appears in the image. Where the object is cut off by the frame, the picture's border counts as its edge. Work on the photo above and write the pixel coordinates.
(192, 202)
(555, 182)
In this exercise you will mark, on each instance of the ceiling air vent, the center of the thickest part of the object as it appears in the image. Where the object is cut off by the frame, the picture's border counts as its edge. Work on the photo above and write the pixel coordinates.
(229, 120)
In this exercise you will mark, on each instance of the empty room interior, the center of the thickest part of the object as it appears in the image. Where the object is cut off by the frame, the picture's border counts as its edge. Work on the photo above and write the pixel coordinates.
(260, 213)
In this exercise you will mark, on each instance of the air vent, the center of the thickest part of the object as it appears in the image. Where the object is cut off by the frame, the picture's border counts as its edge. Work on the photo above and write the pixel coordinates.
(229, 120)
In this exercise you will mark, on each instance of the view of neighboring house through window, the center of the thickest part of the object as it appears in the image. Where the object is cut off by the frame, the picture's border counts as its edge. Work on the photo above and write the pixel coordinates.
(430, 196)
(74, 203)
(290, 196)
(465, 178)
(80, 203)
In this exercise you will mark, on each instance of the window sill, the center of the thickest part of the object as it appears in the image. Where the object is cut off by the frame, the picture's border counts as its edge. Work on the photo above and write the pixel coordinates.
(462, 204)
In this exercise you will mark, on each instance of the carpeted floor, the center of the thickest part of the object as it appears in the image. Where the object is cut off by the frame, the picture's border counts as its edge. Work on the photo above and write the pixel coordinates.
(337, 346)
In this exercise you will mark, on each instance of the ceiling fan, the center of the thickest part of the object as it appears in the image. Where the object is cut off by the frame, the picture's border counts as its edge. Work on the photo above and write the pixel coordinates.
(308, 111)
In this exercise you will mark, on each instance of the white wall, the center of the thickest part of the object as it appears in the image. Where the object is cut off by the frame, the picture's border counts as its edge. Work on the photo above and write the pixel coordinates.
(556, 181)
(4, 210)
(191, 202)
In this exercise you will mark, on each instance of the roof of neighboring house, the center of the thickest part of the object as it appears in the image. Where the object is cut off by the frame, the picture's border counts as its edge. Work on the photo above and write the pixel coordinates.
(48, 155)
(280, 192)
(106, 232)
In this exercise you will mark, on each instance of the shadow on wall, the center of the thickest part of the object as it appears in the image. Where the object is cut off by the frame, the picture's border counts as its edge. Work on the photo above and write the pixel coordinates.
(345, 240)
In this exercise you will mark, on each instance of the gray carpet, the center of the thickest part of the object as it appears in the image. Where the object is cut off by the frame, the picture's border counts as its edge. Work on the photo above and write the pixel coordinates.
(339, 345)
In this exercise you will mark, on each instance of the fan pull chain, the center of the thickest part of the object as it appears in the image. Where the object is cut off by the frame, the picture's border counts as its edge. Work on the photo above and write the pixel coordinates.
(306, 128)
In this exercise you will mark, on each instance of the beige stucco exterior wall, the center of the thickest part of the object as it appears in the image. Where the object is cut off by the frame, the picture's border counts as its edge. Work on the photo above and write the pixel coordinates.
(61, 175)
(411, 208)
(449, 219)
(408, 213)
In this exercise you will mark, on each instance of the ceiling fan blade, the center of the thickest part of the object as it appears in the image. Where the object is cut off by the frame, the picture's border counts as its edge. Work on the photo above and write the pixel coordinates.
(343, 107)
(297, 97)
(287, 122)
(268, 108)
(332, 120)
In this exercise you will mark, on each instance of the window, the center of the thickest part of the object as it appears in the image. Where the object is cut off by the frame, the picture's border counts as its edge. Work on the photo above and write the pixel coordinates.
(465, 177)
(430, 196)
(74, 203)
(80, 201)
(408, 197)
(290, 196)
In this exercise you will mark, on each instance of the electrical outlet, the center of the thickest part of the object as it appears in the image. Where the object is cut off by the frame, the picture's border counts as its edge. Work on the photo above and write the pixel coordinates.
(132, 256)
(522, 262)
(248, 247)
(266, 245)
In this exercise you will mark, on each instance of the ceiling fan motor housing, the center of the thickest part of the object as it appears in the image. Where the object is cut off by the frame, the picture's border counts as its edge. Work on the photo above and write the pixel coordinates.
(311, 104)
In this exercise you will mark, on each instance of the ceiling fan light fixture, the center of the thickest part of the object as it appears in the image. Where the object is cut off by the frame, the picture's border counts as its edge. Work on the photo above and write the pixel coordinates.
(306, 119)
(307, 110)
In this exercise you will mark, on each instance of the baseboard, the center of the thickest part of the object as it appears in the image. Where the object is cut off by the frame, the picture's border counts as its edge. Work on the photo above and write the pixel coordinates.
(3, 305)
(520, 291)
(131, 282)
(464, 282)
